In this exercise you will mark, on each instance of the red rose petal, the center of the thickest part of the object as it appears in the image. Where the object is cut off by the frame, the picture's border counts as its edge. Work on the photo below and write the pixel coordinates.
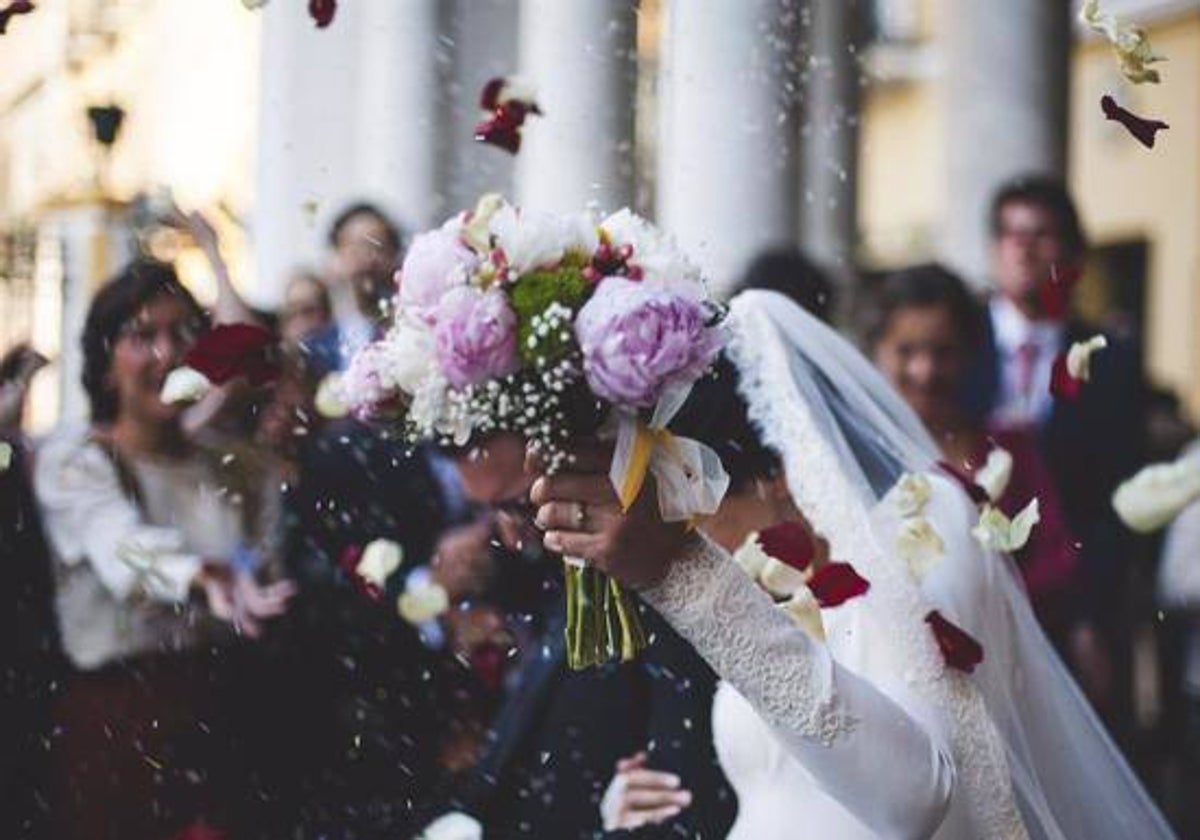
(788, 542)
(1063, 385)
(1054, 292)
(1142, 129)
(322, 11)
(978, 495)
(232, 350)
(958, 648)
(17, 7)
(502, 127)
(836, 583)
(348, 563)
(489, 97)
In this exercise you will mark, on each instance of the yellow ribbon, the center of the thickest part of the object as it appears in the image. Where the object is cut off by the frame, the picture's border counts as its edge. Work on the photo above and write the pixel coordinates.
(646, 439)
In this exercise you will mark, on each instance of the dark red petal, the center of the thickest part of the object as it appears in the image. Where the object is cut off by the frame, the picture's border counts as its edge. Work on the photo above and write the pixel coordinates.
(232, 350)
(788, 542)
(348, 563)
(18, 7)
(499, 132)
(489, 97)
(1063, 385)
(978, 495)
(1142, 129)
(836, 583)
(322, 11)
(959, 650)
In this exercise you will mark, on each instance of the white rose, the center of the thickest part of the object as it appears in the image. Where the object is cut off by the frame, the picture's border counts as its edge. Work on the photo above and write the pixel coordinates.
(184, 384)
(996, 532)
(662, 262)
(780, 579)
(453, 826)
(1158, 493)
(379, 559)
(803, 609)
(751, 557)
(919, 545)
(1079, 357)
(328, 400)
(422, 600)
(531, 239)
(411, 354)
(995, 473)
(912, 494)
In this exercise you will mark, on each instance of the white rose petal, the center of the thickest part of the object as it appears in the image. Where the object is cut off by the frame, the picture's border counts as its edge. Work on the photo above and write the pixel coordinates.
(379, 559)
(1158, 493)
(328, 401)
(6, 454)
(422, 601)
(919, 545)
(1079, 357)
(803, 609)
(1132, 46)
(751, 557)
(996, 532)
(995, 473)
(453, 826)
(780, 579)
(912, 494)
(531, 239)
(477, 232)
(184, 384)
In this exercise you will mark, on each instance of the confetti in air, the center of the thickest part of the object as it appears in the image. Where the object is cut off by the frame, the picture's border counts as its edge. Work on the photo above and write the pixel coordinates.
(1142, 129)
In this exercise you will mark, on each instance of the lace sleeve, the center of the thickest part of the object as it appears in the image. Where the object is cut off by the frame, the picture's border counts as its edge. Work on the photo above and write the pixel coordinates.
(839, 726)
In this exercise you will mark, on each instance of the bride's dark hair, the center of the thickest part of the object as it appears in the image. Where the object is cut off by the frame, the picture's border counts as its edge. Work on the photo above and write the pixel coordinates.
(716, 414)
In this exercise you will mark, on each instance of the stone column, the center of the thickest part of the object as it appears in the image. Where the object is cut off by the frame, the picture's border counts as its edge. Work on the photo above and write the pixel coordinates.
(1006, 84)
(581, 59)
(728, 164)
(829, 210)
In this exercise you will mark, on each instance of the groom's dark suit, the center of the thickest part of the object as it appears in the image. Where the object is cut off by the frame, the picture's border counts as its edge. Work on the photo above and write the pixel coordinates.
(553, 747)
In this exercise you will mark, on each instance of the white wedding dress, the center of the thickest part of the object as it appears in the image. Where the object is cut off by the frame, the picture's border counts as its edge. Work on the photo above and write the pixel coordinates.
(870, 734)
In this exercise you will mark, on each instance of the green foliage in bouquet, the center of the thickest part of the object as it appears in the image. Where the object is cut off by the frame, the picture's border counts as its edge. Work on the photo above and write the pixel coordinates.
(532, 297)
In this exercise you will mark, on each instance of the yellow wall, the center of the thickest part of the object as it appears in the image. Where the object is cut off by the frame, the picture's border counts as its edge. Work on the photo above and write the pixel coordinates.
(1125, 191)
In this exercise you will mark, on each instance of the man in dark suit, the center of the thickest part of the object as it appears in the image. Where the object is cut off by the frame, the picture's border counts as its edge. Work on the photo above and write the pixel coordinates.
(1090, 444)
(555, 744)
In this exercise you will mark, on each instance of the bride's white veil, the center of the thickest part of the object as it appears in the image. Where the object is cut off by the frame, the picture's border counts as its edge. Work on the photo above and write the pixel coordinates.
(846, 438)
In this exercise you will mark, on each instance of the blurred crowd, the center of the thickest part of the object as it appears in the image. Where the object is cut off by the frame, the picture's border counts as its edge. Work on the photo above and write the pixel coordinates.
(195, 654)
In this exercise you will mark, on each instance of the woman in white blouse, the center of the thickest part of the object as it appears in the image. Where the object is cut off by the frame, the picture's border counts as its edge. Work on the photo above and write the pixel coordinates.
(145, 527)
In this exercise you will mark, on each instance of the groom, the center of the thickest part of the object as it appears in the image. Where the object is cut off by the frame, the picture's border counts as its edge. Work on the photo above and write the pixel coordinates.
(556, 742)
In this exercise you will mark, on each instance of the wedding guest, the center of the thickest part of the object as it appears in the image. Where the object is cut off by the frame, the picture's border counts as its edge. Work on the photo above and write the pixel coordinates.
(1089, 444)
(147, 529)
(924, 336)
(555, 741)
(366, 247)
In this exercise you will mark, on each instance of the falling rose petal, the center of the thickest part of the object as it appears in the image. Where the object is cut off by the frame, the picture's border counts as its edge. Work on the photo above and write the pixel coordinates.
(1131, 44)
(453, 826)
(232, 350)
(322, 12)
(996, 532)
(995, 474)
(508, 102)
(184, 385)
(912, 494)
(780, 579)
(1158, 493)
(1063, 385)
(1054, 292)
(423, 600)
(1079, 357)
(959, 650)
(790, 543)
(18, 7)
(330, 401)
(803, 609)
(348, 563)
(378, 561)
(751, 557)
(977, 494)
(6, 455)
(920, 546)
(1142, 129)
(836, 583)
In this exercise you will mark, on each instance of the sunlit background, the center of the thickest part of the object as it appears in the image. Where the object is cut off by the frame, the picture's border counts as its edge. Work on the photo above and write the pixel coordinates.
(868, 132)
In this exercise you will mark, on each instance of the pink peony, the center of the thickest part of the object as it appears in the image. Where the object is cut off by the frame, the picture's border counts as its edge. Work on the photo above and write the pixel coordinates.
(637, 340)
(437, 261)
(476, 336)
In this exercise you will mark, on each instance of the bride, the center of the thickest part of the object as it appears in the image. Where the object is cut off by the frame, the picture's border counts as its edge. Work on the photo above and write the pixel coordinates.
(870, 731)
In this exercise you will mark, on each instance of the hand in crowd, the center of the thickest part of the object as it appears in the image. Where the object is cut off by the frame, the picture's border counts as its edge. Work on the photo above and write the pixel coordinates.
(582, 517)
(237, 598)
(462, 561)
(637, 796)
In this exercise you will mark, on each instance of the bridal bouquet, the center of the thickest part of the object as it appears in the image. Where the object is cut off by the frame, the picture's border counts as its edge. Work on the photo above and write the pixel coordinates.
(554, 327)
